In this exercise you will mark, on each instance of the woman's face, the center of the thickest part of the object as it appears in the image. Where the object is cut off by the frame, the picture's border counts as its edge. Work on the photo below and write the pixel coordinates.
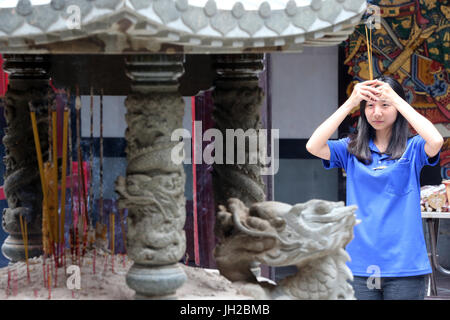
(380, 114)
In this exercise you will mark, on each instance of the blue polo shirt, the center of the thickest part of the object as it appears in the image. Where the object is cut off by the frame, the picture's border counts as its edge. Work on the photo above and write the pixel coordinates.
(387, 192)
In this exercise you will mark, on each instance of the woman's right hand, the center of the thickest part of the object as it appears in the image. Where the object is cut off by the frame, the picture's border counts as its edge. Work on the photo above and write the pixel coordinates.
(317, 143)
(364, 91)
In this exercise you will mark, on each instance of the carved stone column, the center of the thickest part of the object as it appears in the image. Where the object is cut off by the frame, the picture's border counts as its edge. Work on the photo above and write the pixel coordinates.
(153, 190)
(237, 101)
(29, 81)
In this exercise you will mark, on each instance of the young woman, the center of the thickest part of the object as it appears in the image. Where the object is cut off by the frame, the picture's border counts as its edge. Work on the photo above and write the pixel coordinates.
(383, 162)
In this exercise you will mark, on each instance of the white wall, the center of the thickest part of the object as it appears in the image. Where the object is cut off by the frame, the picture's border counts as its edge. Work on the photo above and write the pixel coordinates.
(304, 90)
(114, 111)
(304, 94)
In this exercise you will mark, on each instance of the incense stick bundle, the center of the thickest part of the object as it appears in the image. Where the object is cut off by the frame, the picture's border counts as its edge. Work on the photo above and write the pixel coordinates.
(369, 52)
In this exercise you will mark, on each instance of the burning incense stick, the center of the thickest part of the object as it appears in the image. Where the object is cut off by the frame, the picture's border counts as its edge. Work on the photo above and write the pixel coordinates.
(101, 156)
(49, 282)
(43, 271)
(112, 236)
(63, 180)
(124, 240)
(23, 229)
(93, 260)
(84, 213)
(122, 224)
(71, 244)
(44, 184)
(49, 176)
(26, 249)
(56, 270)
(80, 168)
(48, 214)
(91, 158)
(15, 283)
(55, 175)
(369, 51)
(81, 182)
(105, 267)
(8, 288)
(37, 144)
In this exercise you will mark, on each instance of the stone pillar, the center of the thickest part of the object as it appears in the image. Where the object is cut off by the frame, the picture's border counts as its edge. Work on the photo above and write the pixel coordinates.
(153, 189)
(237, 101)
(28, 82)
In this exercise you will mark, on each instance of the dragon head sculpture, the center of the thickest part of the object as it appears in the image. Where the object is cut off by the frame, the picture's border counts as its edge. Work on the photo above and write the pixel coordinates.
(309, 235)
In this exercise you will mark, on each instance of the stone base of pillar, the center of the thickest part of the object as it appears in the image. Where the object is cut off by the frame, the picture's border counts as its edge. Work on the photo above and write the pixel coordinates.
(155, 282)
(14, 249)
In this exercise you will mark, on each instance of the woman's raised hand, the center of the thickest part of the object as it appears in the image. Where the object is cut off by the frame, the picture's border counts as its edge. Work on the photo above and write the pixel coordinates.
(386, 93)
(365, 91)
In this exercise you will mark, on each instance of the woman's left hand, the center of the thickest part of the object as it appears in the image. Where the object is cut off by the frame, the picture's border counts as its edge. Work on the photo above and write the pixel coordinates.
(386, 93)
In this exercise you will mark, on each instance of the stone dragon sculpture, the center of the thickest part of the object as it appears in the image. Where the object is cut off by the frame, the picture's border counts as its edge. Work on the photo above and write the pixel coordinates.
(311, 235)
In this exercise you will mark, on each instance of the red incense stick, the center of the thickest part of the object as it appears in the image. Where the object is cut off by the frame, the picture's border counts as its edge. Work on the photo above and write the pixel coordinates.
(9, 283)
(93, 260)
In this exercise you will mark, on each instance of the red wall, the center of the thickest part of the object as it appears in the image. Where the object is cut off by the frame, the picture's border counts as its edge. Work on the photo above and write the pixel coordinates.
(3, 79)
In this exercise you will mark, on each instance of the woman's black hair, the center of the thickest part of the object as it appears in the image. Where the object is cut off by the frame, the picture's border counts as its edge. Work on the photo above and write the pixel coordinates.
(359, 142)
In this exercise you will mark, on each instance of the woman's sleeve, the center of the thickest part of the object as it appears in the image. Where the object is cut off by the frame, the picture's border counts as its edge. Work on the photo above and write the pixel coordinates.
(338, 154)
(422, 158)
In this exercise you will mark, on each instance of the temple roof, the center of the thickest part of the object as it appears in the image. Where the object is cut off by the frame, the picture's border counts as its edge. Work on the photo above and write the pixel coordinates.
(170, 26)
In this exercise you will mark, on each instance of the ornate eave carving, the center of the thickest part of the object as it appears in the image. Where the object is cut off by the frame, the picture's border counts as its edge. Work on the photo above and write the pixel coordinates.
(174, 26)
